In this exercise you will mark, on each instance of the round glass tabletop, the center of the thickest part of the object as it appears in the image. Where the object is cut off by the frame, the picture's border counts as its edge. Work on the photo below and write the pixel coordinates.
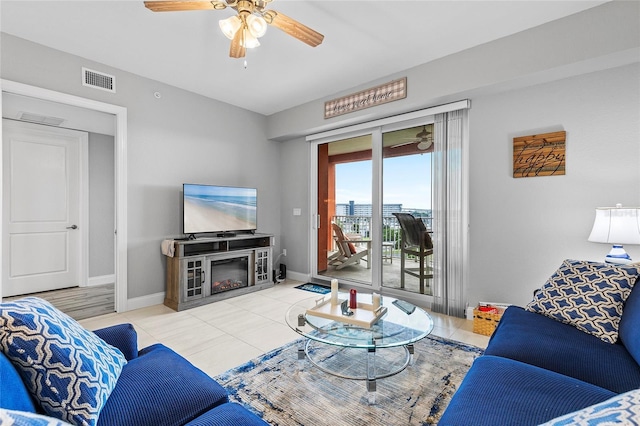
(395, 328)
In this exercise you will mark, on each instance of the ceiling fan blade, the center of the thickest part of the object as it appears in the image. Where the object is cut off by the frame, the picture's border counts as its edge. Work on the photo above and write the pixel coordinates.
(403, 144)
(293, 28)
(174, 6)
(237, 50)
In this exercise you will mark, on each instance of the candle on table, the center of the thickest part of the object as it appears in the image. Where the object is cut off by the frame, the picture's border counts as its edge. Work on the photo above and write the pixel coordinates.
(334, 291)
(353, 298)
(376, 301)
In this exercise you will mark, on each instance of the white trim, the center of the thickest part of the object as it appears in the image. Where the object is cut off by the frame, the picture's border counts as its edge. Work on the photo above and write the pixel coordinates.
(375, 129)
(375, 256)
(84, 211)
(121, 170)
(101, 280)
(454, 106)
(146, 301)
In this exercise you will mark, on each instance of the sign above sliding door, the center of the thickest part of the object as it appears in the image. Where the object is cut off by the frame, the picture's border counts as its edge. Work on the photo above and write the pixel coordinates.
(388, 92)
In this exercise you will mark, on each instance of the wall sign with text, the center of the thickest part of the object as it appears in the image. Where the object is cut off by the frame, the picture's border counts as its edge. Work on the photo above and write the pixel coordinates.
(539, 155)
(388, 92)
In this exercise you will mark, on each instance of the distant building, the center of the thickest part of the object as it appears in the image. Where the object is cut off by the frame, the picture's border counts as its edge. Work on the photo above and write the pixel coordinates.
(353, 209)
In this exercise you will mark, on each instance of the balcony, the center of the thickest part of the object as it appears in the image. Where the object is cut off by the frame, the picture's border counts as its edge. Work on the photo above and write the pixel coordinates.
(359, 228)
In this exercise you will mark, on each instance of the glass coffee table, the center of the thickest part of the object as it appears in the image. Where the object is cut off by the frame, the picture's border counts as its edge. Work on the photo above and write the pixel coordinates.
(358, 352)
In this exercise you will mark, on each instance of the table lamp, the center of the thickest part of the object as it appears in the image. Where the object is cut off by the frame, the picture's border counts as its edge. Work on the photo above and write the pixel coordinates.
(617, 226)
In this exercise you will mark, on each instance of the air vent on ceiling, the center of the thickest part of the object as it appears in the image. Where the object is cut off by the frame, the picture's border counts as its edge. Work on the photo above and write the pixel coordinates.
(98, 80)
(40, 119)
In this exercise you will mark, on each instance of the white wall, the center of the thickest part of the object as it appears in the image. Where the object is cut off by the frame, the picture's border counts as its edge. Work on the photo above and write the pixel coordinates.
(181, 137)
(521, 229)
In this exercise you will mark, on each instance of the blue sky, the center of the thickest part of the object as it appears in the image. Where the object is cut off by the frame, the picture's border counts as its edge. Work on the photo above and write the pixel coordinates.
(406, 180)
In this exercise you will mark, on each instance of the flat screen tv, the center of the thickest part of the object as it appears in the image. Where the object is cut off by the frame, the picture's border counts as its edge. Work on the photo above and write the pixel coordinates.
(218, 209)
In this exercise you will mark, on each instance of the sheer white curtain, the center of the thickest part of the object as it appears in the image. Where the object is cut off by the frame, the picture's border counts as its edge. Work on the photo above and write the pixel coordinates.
(450, 212)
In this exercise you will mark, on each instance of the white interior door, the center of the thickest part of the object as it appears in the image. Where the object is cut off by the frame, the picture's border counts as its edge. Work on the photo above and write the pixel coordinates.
(42, 207)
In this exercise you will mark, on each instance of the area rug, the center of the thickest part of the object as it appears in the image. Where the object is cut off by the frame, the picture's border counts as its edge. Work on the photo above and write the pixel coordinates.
(315, 288)
(285, 391)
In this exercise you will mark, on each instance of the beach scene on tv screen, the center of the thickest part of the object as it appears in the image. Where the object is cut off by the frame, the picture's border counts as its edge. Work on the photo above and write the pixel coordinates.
(218, 209)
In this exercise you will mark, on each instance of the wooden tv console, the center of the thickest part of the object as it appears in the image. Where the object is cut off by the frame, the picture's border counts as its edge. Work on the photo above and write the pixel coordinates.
(191, 272)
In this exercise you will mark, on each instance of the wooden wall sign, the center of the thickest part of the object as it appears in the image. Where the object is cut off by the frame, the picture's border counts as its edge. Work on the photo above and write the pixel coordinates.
(388, 92)
(539, 155)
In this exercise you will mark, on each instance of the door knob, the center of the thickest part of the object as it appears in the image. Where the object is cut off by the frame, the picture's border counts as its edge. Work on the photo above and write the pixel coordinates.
(72, 227)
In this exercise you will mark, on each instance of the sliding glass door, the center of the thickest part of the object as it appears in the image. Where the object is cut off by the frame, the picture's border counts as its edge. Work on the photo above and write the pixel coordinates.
(390, 198)
(407, 251)
(344, 206)
(362, 181)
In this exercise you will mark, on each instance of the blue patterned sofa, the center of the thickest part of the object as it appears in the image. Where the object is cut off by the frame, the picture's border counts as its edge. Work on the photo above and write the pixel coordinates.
(51, 366)
(571, 355)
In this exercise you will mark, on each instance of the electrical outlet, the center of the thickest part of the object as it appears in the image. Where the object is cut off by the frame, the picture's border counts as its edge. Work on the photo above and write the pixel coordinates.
(284, 252)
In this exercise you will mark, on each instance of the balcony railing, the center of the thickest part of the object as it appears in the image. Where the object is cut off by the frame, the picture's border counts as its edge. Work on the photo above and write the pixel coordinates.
(359, 227)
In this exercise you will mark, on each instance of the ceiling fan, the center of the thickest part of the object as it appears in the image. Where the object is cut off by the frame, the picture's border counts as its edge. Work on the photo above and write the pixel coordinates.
(248, 25)
(424, 139)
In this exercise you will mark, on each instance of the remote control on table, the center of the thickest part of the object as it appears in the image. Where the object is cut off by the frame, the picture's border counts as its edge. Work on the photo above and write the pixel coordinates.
(406, 307)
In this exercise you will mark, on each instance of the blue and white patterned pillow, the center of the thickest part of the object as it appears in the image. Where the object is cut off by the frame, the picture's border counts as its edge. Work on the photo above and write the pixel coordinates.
(588, 295)
(22, 418)
(70, 371)
(623, 409)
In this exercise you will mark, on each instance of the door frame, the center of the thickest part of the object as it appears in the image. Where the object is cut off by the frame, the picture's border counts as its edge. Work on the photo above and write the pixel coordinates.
(120, 114)
(375, 128)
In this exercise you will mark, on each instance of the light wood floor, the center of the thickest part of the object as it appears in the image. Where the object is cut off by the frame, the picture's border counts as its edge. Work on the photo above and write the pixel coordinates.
(79, 302)
(227, 333)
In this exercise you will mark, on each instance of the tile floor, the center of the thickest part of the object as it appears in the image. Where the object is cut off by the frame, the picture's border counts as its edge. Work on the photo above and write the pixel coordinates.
(225, 334)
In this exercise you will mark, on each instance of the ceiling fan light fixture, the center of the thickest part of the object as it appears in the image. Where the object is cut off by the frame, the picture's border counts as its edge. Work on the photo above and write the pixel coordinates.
(257, 25)
(230, 26)
(249, 41)
(424, 145)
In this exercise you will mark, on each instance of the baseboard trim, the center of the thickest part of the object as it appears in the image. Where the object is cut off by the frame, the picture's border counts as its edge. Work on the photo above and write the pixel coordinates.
(101, 280)
(298, 276)
(145, 301)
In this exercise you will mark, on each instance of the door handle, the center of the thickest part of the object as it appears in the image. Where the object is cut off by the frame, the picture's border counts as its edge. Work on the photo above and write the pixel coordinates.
(72, 227)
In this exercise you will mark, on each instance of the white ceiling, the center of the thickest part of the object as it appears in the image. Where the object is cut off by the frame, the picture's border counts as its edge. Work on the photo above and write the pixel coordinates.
(364, 41)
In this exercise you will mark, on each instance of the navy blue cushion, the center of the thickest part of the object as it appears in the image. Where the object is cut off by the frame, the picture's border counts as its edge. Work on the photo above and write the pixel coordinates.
(500, 391)
(123, 337)
(160, 387)
(629, 331)
(541, 341)
(228, 414)
(13, 393)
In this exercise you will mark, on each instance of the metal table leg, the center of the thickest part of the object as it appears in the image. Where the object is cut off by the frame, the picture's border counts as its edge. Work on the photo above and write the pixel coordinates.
(371, 375)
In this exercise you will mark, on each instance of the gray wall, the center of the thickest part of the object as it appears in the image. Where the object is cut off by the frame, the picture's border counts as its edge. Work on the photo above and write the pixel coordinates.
(521, 229)
(295, 181)
(181, 137)
(101, 205)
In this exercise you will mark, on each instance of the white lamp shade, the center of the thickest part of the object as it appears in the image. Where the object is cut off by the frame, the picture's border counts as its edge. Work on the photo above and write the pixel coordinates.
(249, 41)
(616, 225)
(257, 25)
(230, 26)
